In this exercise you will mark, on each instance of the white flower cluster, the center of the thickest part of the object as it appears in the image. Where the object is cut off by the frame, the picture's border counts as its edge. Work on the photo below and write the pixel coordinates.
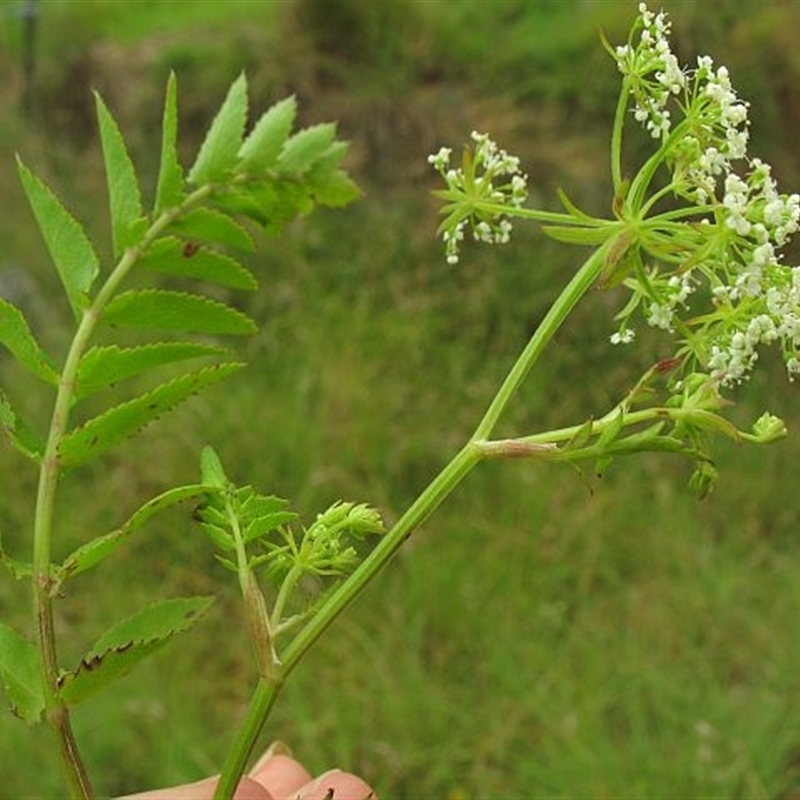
(667, 295)
(655, 72)
(744, 220)
(478, 195)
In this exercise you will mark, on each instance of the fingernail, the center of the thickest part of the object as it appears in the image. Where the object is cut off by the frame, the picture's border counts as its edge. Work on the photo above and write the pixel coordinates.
(319, 786)
(277, 748)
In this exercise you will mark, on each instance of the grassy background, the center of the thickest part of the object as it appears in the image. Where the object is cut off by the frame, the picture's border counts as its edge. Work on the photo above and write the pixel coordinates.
(544, 635)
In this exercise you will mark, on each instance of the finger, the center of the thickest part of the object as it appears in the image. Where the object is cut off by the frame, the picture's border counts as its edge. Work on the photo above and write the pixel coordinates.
(280, 774)
(202, 790)
(248, 789)
(337, 785)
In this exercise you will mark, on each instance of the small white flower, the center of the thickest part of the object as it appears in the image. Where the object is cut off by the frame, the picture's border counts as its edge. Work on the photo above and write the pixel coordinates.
(625, 336)
(660, 316)
(441, 159)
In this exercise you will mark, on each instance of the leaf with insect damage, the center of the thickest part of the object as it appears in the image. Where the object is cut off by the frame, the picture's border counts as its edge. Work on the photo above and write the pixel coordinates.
(172, 256)
(102, 367)
(92, 553)
(101, 433)
(128, 642)
(214, 227)
(20, 674)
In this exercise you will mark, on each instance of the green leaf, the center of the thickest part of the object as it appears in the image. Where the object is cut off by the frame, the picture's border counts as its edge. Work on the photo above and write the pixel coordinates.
(571, 207)
(221, 538)
(121, 648)
(101, 367)
(219, 152)
(703, 479)
(18, 339)
(20, 675)
(69, 247)
(581, 436)
(576, 234)
(272, 204)
(331, 158)
(93, 552)
(174, 257)
(260, 526)
(211, 469)
(611, 431)
(100, 433)
(621, 259)
(214, 227)
(335, 190)
(262, 147)
(125, 200)
(160, 308)
(24, 438)
(169, 192)
(710, 421)
(301, 152)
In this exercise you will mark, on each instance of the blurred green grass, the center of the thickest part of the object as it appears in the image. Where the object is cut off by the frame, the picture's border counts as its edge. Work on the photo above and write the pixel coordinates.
(544, 634)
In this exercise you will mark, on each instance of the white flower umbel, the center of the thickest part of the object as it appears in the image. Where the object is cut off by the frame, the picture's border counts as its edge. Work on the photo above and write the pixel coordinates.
(697, 233)
(724, 244)
(488, 181)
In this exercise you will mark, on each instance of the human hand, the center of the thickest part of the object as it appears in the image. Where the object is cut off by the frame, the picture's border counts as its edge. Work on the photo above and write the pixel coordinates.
(276, 776)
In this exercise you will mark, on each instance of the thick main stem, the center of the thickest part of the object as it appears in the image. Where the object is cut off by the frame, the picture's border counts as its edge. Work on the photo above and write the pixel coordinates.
(56, 711)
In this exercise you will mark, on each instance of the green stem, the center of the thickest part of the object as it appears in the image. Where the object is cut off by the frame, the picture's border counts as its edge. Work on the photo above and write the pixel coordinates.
(436, 492)
(554, 217)
(581, 282)
(616, 135)
(56, 711)
(264, 696)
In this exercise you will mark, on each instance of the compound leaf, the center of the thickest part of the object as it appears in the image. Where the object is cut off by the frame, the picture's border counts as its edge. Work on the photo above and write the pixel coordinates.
(207, 225)
(169, 191)
(101, 367)
(100, 433)
(93, 552)
(125, 200)
(219, 151)
(24, 438)
(174, 257)
(161, 308)
(263, 145)
(20, 675)
(68, 245)
(18, 339)
(128, 642)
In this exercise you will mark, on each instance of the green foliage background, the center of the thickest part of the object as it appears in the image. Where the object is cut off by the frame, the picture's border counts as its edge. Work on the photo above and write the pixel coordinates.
(546, 634)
